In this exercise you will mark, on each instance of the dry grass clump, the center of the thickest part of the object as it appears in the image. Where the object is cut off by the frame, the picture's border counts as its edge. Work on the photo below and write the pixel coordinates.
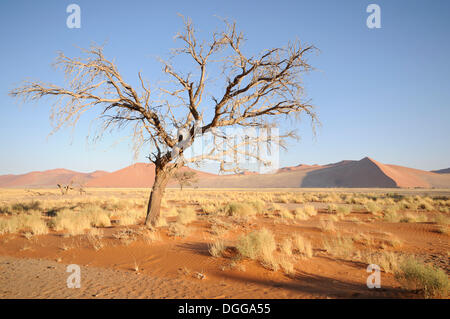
(31, 222)
(305, 212)
(414, 218)
(286, 265)
(178, 230)
(285, 213)
(391, 214)
(94, 237)
(426, 204)
(34, 223)
(327, 226)
(127, 220)
(217, 248)
(125, 235)
(388, 261)
(286, 247)
(258, 245)
(331, 208)
(237, 209)
(259, 205)
(9, 225)
(407, 204)
(339, 246)
(98, 217)
(441, 219)
(372, 207)
(302, 246)
(414, 274)
(150, 237)
(343, 210)
(21, 207)
(186, 215)
(74, 223)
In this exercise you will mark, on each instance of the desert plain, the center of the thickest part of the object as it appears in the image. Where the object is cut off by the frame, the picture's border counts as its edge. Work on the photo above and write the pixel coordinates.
(225, 243)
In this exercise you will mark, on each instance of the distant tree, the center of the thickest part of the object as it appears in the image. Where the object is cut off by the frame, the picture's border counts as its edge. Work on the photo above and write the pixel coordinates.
(65, 188)
(186, 178)
(256, 91)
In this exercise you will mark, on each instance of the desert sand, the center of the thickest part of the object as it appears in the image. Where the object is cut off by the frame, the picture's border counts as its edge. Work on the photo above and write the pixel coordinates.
(125, 259)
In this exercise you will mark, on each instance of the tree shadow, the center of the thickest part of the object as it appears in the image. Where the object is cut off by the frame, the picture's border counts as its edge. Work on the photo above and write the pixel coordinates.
(196, 247)
(319, 286)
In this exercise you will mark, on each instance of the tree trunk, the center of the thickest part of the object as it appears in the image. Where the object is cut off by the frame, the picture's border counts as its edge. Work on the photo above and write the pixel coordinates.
(162, 177)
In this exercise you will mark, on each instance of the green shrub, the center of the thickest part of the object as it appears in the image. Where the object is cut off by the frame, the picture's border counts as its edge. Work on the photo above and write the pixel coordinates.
(417, 275)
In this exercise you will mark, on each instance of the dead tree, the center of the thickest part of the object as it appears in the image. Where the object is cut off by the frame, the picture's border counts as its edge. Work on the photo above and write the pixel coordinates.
(65, 188)
(257, 90)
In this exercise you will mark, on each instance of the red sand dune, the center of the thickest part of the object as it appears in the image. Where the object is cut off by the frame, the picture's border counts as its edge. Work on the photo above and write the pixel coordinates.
(48, 178)
(363, 173)
(136, 175)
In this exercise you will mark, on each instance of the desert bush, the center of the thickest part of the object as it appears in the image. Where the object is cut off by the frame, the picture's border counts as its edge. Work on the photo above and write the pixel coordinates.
(407, 204)
(302, 246)
(186, 215)
(285, 213)
(343, 210)
(327, 225)
(94, 237)
(178, 230)
(310, 210)
(339, 246)
(413, 218)
(73, 223)
(441, 219)
(283, 199)
(34, 223)
(98, 218)
(414, 274)
(425, 205)
(257, 245)
(286, 247)
(9, 225)
(5, 209)
(388, 261)
(372, 207)
(127, 220)
(237, 209)
(286, 265)
(126, 236)
(150, 237)
(22, 207)
(391, 214)
(259, 205)
(331, 208)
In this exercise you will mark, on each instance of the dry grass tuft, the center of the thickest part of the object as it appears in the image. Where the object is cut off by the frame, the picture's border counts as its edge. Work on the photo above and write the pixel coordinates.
(302, 246)
(217, 248)
(414, 274)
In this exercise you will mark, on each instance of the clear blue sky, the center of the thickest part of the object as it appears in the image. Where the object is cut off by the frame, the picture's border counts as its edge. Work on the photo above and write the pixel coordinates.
(383, 93)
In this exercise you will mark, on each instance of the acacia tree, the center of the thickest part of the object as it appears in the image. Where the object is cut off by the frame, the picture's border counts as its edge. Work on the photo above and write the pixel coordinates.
(256, 90)
(186, 178)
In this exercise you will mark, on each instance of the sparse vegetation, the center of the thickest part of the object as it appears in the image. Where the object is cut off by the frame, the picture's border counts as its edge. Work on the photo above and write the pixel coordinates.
(414, 274)
(217, 248)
